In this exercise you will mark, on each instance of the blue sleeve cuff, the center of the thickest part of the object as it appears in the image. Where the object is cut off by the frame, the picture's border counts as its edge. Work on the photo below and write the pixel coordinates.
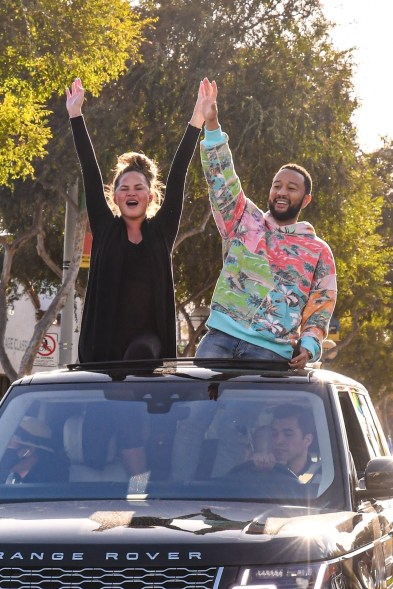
(312, 346)
(213, 137)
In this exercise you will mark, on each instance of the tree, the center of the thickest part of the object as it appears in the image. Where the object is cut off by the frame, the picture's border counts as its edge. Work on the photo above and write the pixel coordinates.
(43, 46)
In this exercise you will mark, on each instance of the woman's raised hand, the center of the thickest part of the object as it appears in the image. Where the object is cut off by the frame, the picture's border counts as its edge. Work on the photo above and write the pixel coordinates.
(205, 105)
(198, 118)
(75, 98)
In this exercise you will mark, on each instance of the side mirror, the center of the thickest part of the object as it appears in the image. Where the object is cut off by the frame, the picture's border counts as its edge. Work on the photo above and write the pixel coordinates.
(378, 478)
(379, 474)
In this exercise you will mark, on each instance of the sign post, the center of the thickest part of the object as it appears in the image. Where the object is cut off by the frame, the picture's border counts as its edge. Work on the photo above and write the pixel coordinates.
(67, 313)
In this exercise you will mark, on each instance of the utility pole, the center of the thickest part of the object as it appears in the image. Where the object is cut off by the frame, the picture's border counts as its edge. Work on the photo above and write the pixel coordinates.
(67, 313)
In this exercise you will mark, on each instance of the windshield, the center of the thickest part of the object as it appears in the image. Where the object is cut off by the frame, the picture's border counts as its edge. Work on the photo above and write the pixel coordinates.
(166, 440)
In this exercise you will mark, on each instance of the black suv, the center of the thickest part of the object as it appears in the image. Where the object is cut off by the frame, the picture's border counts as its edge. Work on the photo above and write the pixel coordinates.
(202, 474)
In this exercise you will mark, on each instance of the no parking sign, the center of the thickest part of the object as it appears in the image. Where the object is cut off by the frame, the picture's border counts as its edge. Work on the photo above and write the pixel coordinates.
(48, 352)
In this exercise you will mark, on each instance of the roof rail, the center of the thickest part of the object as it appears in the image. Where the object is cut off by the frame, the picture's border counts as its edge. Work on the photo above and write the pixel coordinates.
(228, 363)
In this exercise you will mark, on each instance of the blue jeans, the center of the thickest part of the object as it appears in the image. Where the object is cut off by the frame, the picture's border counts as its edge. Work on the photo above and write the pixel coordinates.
(217, 344)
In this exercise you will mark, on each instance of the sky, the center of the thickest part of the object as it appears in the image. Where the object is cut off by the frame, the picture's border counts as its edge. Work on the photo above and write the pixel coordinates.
(367, 25)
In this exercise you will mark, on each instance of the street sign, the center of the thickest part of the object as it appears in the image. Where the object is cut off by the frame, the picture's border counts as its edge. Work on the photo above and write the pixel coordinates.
(48, 352)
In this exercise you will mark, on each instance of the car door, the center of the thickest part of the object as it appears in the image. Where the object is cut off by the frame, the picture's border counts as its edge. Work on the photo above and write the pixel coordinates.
(366, 440)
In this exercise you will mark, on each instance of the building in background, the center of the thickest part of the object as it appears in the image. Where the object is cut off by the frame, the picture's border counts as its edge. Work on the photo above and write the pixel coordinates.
(22, 317)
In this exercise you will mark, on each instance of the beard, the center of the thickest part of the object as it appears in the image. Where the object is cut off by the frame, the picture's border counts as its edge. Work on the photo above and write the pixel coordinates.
(291, 213)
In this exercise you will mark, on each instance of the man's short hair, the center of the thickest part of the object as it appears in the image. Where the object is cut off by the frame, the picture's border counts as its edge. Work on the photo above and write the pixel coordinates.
(302, 414)
(306, 175)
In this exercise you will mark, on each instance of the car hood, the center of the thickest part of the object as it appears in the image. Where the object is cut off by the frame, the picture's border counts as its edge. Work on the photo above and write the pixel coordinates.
(164, 533)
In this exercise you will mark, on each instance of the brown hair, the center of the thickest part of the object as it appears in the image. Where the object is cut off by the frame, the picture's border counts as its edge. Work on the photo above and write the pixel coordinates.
(137, 162)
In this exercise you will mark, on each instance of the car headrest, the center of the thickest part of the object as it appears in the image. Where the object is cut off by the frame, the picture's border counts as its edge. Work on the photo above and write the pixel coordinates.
(88, 440)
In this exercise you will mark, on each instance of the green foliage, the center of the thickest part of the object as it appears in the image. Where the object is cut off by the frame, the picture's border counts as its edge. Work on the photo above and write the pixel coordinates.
(370, 355)
(23, 134)
(43, 46)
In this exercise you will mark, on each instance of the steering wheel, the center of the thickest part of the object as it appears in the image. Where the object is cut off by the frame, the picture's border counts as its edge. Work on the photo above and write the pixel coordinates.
(248, 469)
(13, 478)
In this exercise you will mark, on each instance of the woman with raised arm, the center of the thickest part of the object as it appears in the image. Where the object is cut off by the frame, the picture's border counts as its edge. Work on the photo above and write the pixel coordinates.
(129, 311)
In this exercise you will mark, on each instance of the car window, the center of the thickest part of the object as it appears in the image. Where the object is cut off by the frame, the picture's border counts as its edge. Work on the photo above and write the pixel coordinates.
(366, 417)
(363, 435)
(171, 440)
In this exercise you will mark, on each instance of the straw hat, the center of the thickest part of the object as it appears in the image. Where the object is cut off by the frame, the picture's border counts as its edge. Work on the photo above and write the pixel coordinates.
(35, 433)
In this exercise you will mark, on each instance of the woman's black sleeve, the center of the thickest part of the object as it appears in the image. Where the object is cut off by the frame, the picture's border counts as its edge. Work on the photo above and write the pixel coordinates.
(97, 206)
(170, 212)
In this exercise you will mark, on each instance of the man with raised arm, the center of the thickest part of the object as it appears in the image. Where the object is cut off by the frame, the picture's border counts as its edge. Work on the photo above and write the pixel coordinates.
(278, 281)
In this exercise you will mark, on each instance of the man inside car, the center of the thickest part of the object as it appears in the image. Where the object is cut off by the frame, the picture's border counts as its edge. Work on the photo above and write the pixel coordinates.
(287, 441)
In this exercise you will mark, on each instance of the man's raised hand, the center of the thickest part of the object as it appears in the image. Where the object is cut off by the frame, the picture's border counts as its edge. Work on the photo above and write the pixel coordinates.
(209, 104)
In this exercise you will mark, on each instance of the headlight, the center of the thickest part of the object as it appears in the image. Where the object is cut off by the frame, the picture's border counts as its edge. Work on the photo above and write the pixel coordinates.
(297, 576)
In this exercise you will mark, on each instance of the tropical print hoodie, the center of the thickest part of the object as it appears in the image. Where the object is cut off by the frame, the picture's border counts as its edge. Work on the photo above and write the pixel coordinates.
(277, 282)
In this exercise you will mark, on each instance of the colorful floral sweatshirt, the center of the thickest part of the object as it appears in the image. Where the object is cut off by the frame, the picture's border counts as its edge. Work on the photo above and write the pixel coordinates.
(277, 282)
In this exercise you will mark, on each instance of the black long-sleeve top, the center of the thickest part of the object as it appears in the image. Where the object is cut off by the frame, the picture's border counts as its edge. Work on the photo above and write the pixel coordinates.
(103, 317)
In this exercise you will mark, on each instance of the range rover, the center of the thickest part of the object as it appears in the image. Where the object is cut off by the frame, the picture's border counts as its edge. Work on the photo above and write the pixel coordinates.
(143, 475)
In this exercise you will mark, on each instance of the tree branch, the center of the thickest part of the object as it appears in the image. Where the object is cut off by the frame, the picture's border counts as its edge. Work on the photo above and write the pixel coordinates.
(59, 300)
(42, 252)
(29, 289)
(197, 295)
(199, 229)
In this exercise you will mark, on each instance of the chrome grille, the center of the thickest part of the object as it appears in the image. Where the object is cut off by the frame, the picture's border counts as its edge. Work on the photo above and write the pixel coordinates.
(97, 578)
